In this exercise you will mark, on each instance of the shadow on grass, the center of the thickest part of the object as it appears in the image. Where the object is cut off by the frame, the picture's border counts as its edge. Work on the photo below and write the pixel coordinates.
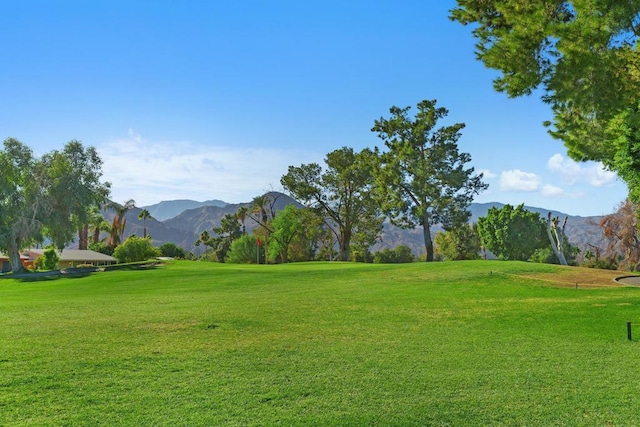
(75, 273)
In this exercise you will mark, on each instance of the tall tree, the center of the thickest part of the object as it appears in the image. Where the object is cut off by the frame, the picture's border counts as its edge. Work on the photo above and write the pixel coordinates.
(262, 211)
(422, 178)
(512, 233)
(205, 239)
(307, 240)
(242, 217)
(144, 215)
(119, 222)
(96, 223)
(286, 225)
(46, 197)
(75, 190)
(342, 193)
(226, 233)
(582, 56)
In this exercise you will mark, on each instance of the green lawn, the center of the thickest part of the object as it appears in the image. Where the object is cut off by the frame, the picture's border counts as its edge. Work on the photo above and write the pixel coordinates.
(318, 344)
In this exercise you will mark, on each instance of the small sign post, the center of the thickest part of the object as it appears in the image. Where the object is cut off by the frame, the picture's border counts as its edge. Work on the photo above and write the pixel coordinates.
(629, 337)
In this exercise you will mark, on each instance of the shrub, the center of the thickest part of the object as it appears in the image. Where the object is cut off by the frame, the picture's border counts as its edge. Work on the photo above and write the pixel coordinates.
(243, 250)
(48, 260)
(362, 255)
(459, 243)
(136, 249)
(170, 249)
(401, 254)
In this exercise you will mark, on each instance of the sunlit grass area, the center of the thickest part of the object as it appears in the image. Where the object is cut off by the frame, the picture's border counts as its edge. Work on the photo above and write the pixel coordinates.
(188, 343)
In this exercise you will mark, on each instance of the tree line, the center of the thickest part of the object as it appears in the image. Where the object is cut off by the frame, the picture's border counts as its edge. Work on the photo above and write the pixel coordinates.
(418, 178)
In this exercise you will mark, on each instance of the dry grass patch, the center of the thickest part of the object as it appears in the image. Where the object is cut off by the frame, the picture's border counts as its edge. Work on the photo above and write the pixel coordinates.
(567, 277)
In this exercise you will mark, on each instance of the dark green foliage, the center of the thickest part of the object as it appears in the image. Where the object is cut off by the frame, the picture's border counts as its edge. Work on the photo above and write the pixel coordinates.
(512, 234)
(48, 260)
(170, 249)
(307, 240)
(546, 255)
(422, 178)
(459, 243)
(136, 249)
(341, 193)
(362, 255)
(49, 196)
(101, 247)
(399, 255)
(226, 233)
(582, 57)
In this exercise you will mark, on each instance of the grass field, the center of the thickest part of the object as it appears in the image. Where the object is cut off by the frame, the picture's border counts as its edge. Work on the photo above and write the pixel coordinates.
(452, 343)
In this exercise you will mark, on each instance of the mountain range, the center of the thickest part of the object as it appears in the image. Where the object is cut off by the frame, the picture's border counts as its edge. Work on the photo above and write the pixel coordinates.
(182, 221)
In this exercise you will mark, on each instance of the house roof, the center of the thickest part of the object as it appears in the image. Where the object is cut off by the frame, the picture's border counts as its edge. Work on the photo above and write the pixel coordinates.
(4, 256)
(77, 255)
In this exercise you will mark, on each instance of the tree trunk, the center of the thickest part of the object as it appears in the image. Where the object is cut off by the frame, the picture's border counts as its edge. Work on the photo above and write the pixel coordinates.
(96, 235)
(426, 231)
(14, 259)
(83, 237)
(556, 246)
(344, 243)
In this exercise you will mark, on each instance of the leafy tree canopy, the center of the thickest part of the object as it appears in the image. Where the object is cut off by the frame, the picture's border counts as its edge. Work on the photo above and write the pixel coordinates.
(51, 196)
(512, 233)
(422, 178)
(170, 249)
(459, 243)
(342, 193)
(583, 56)
(286, 225)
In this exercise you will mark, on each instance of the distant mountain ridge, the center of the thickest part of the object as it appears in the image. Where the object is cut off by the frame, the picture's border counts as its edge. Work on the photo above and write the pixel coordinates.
(184, 227)
(171, 208)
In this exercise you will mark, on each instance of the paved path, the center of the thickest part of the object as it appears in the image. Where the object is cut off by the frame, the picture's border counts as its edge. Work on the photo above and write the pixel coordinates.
(629, 280)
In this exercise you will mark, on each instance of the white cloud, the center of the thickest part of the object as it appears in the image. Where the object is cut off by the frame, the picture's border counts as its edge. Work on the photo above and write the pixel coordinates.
(556, 192)
(552, 191)
(149, 172)
(486, 173)
(601, 177)
(519, 181)
(573, 172)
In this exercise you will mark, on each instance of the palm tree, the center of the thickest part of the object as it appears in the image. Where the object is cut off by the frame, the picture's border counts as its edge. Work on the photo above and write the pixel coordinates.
(205, 239)
(92, 222)
(259, 206)
(119, 222)
(242, 216)
(144, 215)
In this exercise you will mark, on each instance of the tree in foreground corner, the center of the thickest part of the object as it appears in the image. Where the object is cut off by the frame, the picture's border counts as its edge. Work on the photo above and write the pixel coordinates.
(582, 57)
(47, 197)
(422, 178)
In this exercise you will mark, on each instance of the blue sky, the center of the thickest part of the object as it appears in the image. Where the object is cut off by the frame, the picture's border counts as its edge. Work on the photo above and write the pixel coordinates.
(214, 99)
